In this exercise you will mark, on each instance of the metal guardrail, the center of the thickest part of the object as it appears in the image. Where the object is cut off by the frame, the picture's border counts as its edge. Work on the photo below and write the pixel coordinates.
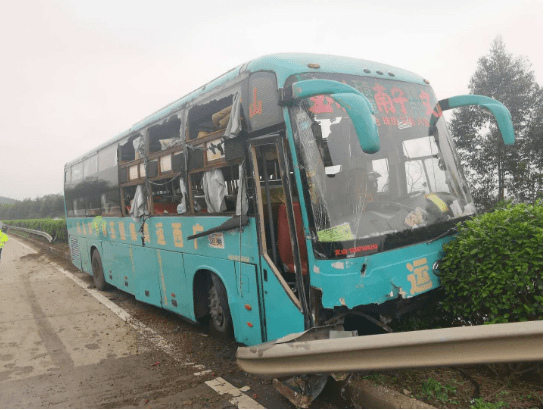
(35, 232)
(509, 342)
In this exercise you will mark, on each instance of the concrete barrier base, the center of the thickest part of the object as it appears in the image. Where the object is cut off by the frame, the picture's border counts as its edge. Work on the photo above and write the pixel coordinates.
(365, 394)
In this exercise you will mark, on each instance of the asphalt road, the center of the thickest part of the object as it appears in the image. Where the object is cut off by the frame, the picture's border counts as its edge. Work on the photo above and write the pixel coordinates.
(63, 344)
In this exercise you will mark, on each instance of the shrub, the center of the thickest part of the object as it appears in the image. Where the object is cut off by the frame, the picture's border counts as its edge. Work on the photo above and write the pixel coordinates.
(492, 270)
(54, 227)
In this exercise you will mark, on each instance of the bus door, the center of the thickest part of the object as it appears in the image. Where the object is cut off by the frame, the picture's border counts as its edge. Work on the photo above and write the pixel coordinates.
(283, 255)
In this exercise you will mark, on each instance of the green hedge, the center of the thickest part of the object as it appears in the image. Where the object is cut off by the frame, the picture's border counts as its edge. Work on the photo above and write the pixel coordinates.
(492, 270)
(54, 227)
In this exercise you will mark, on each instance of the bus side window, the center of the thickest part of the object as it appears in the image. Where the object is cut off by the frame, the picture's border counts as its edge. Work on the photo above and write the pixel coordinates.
(131, 149)
(164, 136)
(69, 206)
(214, 191)
(209, 118)
(128, 195)
(166, 197)
(79, 207)
(212, 179)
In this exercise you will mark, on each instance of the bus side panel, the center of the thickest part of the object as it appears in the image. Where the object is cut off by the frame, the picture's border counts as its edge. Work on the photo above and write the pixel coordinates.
(146, 275)
(74, 251)
(85, 254)
(118, 265)
(249, 330)
(230, 276)
(176, 296)
(282, 316)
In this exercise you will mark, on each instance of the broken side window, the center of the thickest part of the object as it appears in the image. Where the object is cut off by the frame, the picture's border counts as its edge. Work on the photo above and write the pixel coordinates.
(213, 117)
(131, 148)
(241, 196)
(165, 135)
(138, 206)
(234, 124)
(182, 207)
(166, 196)
(212, 180)
(216, 190)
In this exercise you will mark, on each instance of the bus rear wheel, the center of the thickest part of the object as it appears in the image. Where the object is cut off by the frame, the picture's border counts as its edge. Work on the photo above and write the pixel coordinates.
(220, 318)
(98, 272)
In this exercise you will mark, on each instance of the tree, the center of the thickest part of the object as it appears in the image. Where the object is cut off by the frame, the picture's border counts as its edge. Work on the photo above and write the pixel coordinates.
(496, 171)
(49, 206)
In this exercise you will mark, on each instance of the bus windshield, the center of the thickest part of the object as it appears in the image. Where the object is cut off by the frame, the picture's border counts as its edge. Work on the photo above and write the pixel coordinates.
(358, 200)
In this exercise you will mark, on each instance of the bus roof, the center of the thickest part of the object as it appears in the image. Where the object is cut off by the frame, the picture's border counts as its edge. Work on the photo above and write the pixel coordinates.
(287, 64)
(283, 65)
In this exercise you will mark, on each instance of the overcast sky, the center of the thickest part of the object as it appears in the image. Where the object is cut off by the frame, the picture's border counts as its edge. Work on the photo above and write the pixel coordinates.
(74, 74)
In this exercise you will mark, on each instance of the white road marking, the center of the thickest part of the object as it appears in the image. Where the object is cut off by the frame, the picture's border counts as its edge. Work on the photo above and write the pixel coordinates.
(220, 385)
(239, 399)
(204, 372)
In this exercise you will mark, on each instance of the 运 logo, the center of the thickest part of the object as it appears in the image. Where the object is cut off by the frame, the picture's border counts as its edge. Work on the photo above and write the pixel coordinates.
(419, 278)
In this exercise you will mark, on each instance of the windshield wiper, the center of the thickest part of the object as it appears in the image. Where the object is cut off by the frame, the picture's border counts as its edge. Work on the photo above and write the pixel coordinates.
(450, 231)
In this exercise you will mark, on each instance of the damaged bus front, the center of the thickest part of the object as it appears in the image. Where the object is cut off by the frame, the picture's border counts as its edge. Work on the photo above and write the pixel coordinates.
(383, 191)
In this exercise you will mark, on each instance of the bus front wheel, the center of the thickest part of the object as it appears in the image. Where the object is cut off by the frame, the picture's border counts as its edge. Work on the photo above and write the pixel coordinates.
(98, 272)
(220, 318)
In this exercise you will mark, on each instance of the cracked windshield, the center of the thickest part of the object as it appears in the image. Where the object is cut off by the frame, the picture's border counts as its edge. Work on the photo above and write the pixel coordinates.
(413, 181)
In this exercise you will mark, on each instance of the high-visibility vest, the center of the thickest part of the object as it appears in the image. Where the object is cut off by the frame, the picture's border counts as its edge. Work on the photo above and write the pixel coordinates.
(3, 239)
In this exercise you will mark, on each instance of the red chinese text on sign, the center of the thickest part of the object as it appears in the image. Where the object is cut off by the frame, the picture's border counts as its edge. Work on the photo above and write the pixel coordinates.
(425, 99)
(321, 104)
(383, 100)
(399, 98)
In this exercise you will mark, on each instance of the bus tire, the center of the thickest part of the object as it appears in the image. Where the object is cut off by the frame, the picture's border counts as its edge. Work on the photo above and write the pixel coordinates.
(98, 272)
(220, 318)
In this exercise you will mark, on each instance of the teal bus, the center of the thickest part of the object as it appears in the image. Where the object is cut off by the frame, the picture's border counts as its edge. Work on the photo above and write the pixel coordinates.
(292, 192)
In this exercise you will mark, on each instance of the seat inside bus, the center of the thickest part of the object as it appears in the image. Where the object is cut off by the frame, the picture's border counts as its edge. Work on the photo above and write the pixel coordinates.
(274, 204)
(210, 117)
(284, 239)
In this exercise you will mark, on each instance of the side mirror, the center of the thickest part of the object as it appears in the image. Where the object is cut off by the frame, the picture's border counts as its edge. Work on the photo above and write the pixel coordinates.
(356, 105)
(499, 111)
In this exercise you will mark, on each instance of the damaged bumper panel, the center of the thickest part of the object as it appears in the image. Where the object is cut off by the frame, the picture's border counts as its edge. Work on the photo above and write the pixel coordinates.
(316, 351)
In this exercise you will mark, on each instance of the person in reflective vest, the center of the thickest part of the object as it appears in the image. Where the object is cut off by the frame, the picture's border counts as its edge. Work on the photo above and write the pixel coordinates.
(3, 238)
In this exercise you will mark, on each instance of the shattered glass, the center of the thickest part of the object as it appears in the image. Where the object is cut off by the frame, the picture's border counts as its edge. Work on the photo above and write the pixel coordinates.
(412, 182)
(241, 196)
(182, 207)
